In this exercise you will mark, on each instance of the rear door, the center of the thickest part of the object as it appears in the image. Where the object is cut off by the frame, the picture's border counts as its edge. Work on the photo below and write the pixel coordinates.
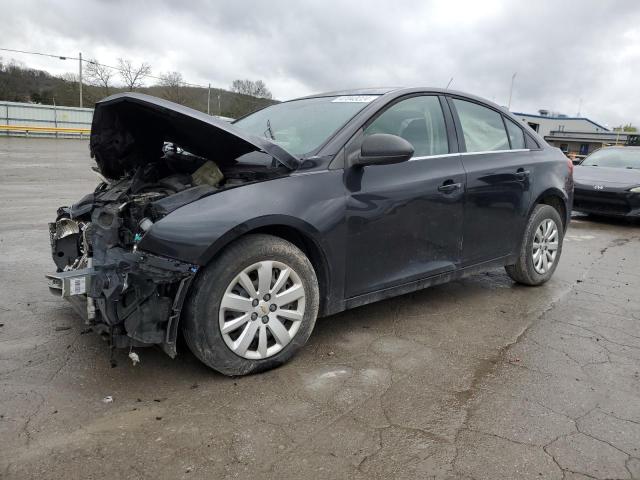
(498, 166)
(404, 221)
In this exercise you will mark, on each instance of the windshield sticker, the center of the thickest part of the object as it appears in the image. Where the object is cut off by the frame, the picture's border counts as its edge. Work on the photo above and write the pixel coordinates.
(355, 99)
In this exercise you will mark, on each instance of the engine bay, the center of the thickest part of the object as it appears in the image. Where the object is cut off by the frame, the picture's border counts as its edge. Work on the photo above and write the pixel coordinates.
(146, 195)
(132, 297)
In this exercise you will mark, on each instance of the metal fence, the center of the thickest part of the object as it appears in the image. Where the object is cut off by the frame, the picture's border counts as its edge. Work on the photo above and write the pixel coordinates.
(27, 119)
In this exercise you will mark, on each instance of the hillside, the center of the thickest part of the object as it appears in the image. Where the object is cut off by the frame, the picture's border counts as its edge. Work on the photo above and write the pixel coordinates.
(19, 84)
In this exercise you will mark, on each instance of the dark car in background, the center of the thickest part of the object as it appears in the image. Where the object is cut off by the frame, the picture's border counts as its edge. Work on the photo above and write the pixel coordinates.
(607, 183)
(242, 234)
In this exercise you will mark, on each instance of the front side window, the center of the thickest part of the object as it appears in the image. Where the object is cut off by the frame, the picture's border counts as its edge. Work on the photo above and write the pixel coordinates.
(419, 120)
(516, 135)
(301, 126)
(482, 127)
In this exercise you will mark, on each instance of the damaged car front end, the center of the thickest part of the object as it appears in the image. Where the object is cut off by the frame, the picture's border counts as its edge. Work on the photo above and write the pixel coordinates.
(152, 157)
(131, 296)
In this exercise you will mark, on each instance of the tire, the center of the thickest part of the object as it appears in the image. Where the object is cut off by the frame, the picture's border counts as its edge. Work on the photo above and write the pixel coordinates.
(210, 307)
(525, 270)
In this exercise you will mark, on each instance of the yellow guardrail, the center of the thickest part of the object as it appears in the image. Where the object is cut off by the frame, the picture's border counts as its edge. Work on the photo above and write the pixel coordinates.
(30, 128)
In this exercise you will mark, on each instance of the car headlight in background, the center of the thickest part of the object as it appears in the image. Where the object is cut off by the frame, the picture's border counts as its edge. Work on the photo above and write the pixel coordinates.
(635, 190)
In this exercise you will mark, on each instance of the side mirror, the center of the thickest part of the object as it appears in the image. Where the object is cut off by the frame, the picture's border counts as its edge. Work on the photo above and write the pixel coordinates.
(384, 149)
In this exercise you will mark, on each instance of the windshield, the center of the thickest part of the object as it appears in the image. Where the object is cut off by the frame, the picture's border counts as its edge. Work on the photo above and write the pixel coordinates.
(301, 126)
(614, 158)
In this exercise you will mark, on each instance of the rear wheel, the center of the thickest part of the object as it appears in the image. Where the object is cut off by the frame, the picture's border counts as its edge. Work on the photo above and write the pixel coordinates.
(541, 247)
(253, 307)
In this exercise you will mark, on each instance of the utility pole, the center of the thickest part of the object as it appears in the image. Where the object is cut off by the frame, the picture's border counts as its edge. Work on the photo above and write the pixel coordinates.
(80, 76)
(55, 116)
(219, 109)
(209, 100)
(513, 77)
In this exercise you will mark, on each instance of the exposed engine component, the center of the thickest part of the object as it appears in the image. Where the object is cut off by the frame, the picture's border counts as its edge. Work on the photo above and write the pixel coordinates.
(145, 224)
(207, 174)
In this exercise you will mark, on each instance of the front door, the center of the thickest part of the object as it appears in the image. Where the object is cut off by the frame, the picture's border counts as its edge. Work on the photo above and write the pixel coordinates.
(404, 221)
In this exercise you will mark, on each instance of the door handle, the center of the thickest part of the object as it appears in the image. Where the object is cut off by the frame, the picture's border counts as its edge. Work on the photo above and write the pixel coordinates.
(522, 174)
(449, 186)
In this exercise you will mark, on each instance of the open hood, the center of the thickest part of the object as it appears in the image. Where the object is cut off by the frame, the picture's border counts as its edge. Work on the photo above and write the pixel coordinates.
(129, 129)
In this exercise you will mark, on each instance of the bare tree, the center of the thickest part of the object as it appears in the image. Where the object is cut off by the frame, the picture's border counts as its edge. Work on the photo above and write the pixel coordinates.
(249, 87)
(261, 90)
(132, 75)
(240, 86)
(173, 87)
(68, 94)
(69, 77)
(99, 75)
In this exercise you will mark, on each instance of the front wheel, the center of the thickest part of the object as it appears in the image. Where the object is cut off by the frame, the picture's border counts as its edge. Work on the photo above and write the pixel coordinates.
(253, 307)
(541, 247)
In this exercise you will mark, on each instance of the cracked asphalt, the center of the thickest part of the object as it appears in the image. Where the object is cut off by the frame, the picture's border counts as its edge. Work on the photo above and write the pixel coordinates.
(477, 379)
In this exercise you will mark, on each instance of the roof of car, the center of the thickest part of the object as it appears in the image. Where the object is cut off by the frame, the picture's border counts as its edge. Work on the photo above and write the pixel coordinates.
(354, 91)
(400, 90)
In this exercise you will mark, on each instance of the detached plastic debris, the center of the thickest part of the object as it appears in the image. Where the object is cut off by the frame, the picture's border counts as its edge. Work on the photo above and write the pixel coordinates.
(135, 359)
(107, 399)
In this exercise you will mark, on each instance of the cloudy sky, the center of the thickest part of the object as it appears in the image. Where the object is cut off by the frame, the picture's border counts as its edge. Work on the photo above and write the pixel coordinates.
(562, 51)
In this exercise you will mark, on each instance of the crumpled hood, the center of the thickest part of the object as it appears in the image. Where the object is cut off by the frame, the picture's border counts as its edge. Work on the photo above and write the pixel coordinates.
(129, 129)
(604, 175)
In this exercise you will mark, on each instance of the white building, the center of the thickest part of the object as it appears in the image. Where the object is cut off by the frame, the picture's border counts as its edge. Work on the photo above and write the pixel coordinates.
(575, 136)
(546, 122)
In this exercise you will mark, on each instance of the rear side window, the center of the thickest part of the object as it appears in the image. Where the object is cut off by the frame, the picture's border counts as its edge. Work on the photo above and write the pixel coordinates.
(482, 127)
(516, 135)
(419, 120)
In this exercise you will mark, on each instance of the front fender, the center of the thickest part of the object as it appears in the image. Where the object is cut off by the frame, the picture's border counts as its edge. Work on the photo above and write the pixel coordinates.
(312, 203)
(260, 222)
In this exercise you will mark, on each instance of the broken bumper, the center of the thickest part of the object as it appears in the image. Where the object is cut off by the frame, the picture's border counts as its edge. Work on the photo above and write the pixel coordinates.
(134, 296)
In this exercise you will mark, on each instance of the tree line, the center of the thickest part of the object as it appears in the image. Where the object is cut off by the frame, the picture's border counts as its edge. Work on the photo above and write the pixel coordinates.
(21, 84)
(628, 128)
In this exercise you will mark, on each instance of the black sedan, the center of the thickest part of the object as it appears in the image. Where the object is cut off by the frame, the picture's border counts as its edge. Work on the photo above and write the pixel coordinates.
(607, 183)
(242, 234)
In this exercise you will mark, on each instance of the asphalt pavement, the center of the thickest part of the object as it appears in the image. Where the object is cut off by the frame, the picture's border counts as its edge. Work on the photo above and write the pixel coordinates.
(477, 379)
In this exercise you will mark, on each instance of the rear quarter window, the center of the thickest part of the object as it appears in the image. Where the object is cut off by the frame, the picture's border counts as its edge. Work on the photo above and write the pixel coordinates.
(516, 135)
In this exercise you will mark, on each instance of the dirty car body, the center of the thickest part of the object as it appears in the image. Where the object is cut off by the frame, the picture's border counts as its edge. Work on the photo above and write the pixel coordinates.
(180, 187)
